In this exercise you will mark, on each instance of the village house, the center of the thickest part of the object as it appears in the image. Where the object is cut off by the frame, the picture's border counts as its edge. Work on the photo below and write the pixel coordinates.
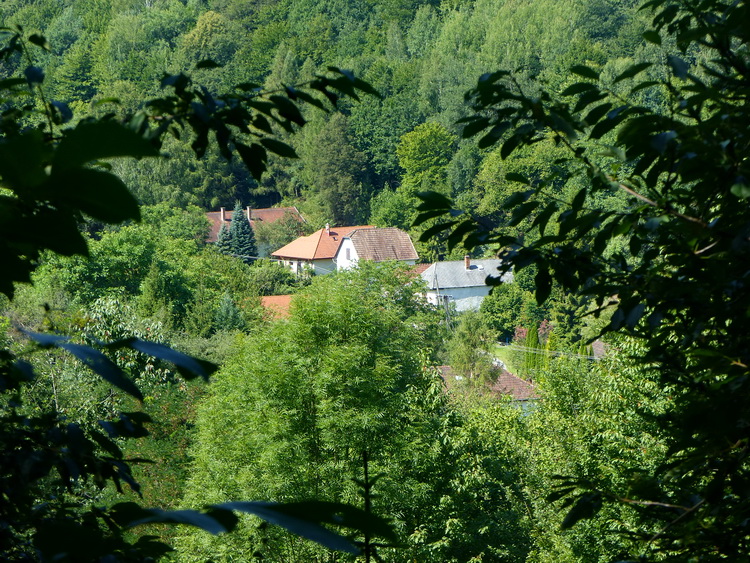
(266, 215)
(461, 282)
(315, 252)
(375, 245)
(340, 248)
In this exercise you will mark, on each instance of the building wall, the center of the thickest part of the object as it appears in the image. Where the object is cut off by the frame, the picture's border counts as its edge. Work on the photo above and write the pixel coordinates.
(322, 267)
(464, 298)
(342, 261)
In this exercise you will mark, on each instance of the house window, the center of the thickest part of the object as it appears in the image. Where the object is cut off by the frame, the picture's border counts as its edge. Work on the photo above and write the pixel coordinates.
(348, 254)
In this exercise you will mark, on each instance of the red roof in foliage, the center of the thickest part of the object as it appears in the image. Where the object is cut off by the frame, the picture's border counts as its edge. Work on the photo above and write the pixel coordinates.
(505, 384)
(266, 215)
(277, 306)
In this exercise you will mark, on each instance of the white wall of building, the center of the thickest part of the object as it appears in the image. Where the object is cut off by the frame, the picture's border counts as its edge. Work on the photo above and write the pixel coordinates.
(464, 298)
(347, 257)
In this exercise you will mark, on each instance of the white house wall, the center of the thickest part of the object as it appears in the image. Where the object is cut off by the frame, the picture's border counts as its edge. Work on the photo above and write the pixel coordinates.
(322, 267)
(342, 262)
(464, 298)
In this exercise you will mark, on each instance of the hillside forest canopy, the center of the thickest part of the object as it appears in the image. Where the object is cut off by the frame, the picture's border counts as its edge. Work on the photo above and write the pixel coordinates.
(152, 408)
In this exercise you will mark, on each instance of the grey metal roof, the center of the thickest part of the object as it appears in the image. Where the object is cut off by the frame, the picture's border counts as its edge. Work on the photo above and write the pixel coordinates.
(383, 244)
(444, 275)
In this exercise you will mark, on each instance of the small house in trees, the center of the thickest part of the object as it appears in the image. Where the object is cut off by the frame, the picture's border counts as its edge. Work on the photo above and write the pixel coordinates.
(315, 252)
(461, 282)
(375, 245)
(255, 216)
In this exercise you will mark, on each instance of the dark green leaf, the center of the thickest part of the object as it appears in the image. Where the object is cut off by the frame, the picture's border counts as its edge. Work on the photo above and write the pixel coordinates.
(632, 71)
(207, 63)
(516, 177)
(435, 229)
(91, 141)
(427, 215)
(579, 199)
(543, 282)
(517, 198)
(522, 211)
(509, 146)
(678, 66)
(584, 71)
(188, 517)
(103, 366)
(493, 135)
(433, 200)
(652, 37)
(634, 315)
(741, 189)
(586, 507)
(11, 82)
(279, 148)
(458, 234)
(475, 126)
(40, 41)
(542, 218)
(593, 116)
(188, 366)
(93, 358)
(34, 75)
(558, 494)
(306, 518)
(254, 157)
(578, 88)
(99, 194)
(287, 109)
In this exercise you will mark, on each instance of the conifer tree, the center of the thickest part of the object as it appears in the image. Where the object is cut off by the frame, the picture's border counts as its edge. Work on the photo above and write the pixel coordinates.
(228, 316)
(242, 239)
(224, 240)
(531, 360)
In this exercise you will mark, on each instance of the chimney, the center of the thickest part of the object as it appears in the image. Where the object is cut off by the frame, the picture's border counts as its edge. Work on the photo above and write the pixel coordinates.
(223, 214)
(467, 262)
(248, 213)
(328, 229)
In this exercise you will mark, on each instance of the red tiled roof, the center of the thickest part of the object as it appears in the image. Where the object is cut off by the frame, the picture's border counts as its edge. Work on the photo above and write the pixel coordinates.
(509, 384)
(505, 384)
(277, 306)
(419, 268)
(380, 244)
(266, 215)
(320, 245)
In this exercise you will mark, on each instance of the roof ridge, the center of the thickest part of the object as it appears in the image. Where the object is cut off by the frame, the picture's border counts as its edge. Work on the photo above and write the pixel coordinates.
(317, 244)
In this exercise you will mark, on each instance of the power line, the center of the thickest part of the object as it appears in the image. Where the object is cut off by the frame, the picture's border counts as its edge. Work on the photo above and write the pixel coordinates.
(528, 350)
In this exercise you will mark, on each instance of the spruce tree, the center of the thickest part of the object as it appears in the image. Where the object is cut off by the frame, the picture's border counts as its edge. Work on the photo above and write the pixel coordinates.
(224, 240)
(242, 239)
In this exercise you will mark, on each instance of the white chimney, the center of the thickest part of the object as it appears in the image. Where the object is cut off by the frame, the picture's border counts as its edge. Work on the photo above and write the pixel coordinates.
(223, 214)
(467, 262)
(328, 229)
(248, 213)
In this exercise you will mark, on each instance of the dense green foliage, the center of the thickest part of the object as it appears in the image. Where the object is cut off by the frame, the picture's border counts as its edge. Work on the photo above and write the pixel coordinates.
(290, 416)
(668, 269)
(421, 56)
(59, 456)
(616, 191)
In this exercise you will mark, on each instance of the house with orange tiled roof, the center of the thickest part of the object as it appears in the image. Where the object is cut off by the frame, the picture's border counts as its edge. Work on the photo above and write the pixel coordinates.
(315, 252)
